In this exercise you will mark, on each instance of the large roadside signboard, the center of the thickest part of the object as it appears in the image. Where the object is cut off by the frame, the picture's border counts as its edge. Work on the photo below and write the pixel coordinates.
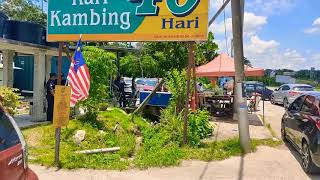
(128, 20)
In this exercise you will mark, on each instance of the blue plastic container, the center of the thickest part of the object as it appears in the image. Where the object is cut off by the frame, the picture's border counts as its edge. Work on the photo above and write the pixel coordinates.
(23, 31)
(160, 99)
(45, 42)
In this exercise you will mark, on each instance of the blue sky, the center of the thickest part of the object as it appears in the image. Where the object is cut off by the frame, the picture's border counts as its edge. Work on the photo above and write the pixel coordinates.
(278, 33)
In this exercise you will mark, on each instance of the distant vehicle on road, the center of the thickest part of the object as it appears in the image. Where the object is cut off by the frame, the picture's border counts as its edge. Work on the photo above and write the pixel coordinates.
(301, 126)
(287, 93)
(150, 84)
(128, 82)
(13, 151)
(253, 87)
(140, 83)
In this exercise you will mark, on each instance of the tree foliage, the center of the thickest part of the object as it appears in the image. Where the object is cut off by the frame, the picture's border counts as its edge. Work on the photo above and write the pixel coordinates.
(206, 51)
(158, 58)
(9, 99)
(138, 66)
(102, 68)
(168, 55)
(23, 10)
(247, 62)
(176, 82)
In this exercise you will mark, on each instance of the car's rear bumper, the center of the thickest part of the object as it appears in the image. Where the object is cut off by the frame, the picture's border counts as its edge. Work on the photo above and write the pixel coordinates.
(31, 175)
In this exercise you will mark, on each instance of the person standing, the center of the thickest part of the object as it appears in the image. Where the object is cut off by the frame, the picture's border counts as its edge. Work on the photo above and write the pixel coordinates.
(122, 93)
(225, 87)
(134, 91)
(63, 80)
(50, 86)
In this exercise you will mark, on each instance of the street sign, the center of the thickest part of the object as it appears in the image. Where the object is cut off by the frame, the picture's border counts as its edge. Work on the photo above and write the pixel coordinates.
(61, 110)
(128, 20)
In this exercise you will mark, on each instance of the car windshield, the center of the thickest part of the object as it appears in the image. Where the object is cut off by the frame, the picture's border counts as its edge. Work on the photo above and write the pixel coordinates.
(127, 81)
(303, 88)
(250, 87)
(8, 135)
(151, 83)
(140, 82)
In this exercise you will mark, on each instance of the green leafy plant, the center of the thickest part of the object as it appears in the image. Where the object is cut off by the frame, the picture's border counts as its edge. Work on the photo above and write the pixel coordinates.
(199, 127)
(10, 99)
(102, 68)
(206, 51)
(176, 82)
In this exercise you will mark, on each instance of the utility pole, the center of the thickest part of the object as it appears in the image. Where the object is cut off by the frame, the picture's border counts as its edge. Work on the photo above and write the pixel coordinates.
(240, 100)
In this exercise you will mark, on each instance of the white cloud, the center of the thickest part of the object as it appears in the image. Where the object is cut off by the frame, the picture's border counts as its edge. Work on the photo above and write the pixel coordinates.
(316, 22)
(316, 57)
(258, 46)
(269, 7)
(315, 29)
(216, 4)
(266, 54)
(252, 23)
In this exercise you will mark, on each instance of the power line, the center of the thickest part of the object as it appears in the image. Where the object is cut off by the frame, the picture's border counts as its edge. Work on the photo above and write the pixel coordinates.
(218, 12)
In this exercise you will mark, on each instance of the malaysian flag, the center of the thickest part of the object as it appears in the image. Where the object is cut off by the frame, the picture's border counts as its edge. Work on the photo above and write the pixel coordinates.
(78, 77)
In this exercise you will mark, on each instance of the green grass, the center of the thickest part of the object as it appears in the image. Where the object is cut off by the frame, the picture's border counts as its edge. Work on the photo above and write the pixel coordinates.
(317, 89)
(41, 142)
(221, 150)
(157, 149)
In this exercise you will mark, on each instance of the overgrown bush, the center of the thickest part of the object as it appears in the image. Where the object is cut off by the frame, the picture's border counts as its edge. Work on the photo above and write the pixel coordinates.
(102, 68)
(199, 127)
(176, 82)
(172, 118)
(10, 99)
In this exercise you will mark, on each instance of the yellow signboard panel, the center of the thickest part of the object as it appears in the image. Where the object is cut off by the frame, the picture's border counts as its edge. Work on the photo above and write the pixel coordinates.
(61, 110)
(128, 20)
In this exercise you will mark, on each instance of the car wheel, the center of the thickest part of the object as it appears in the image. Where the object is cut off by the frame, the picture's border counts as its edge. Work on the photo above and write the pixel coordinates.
(307, 164)
(272, 100)
(285, 103)
(283, 132)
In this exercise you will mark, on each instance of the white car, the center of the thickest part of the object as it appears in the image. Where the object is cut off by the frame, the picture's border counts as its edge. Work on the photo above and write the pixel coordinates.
(287, 93)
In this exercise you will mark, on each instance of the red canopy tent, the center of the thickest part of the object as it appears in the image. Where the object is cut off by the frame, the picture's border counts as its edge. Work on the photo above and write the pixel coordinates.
(223, 66)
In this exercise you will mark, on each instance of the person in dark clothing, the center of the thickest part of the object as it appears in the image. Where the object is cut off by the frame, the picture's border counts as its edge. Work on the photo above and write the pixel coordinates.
(134, 91)
(122, 93)
(50, 86)
(133, 87)
(225, 87)
(116, 83)
(63, 81)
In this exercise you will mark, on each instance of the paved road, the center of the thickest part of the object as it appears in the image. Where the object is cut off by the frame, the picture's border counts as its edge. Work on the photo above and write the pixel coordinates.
(267, 163)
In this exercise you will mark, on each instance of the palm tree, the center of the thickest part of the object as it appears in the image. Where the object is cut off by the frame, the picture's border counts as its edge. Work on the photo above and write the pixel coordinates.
(247, 62)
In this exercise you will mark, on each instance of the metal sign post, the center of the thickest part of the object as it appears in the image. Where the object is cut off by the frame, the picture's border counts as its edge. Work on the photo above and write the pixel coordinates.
(58, 130)
(186, 111)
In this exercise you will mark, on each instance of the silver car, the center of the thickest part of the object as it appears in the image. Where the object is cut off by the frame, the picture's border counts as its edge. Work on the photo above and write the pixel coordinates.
(287, 93)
